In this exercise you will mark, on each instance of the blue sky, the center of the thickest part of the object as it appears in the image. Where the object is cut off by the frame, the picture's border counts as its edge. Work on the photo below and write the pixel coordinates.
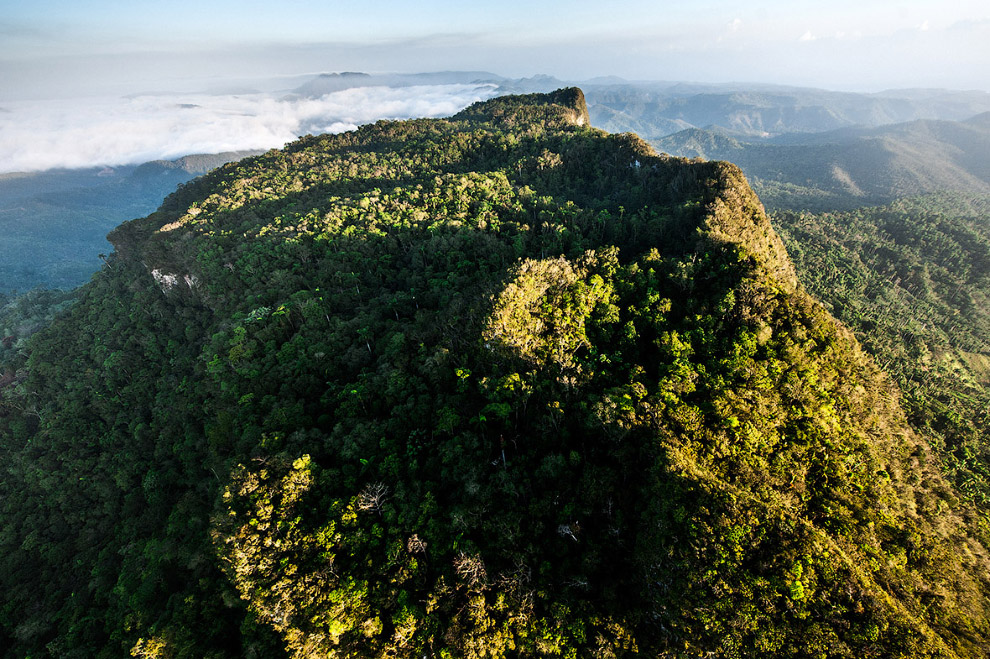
(862, 45)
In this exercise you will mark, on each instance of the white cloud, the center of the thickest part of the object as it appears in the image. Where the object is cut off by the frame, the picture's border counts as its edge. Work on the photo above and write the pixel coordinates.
(808, 36)
(40, 135)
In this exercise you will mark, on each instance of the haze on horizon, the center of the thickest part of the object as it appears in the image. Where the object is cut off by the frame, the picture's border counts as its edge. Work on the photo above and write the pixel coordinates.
(72, 71)
(864, 45)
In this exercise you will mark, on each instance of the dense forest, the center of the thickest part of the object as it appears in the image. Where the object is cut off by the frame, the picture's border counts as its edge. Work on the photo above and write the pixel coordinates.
(911, 279)
(499, 385)
(908, 276)
(53, 224)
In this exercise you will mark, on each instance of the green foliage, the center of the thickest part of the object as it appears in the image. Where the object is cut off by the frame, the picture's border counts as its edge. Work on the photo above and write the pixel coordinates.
(850, 168)
(910, 280)
(500, 385)
(53, 224)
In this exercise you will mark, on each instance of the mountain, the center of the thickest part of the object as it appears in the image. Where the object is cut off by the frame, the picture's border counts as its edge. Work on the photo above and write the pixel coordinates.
(853, 166)
(760, 111)
(195, 164)
(497, 385)
(654, 109)
(54, 223)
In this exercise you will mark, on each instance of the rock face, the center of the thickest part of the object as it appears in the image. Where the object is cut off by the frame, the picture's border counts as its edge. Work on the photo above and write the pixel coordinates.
(500, 385)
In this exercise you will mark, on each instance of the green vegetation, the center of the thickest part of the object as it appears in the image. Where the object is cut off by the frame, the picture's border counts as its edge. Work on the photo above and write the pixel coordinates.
(500, 385)
(910, 279)
(851, 168)
(53, 224)
(21, 316)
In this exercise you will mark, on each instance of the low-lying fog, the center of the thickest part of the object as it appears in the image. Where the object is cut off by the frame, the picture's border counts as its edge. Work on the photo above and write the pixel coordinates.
(43, 134)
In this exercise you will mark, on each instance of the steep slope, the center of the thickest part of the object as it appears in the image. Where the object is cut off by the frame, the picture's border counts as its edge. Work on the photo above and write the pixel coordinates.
(53, 224)
(911, 279)
(498, 385)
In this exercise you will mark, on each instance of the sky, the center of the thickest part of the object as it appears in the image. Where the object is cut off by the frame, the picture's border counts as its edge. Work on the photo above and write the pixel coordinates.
(73, 68)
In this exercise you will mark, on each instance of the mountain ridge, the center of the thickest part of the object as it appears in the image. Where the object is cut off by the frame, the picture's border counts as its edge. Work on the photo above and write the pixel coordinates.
(494, 385)
(859, 166)
(54, 222)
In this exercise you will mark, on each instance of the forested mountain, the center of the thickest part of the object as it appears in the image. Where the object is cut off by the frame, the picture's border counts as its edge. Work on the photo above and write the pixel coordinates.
(54, 223)
(853, 167)
(498, 385)
(909, 277)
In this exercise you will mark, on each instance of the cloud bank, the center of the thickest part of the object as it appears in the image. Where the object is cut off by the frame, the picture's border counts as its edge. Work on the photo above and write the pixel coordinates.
(39, 135)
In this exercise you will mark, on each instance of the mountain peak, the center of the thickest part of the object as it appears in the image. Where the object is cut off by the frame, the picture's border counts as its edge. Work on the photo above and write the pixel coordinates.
(564, 107)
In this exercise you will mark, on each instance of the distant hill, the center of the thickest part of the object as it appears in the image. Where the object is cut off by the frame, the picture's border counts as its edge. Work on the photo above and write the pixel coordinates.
(195, 164)
(756, 111)
(328, 83)
(54, 223)
(853, 166)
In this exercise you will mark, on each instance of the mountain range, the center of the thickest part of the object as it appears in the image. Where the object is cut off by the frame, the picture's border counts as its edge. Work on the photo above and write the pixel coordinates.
(853, 166)
(497, 385)
(754, 111)
(54, 222)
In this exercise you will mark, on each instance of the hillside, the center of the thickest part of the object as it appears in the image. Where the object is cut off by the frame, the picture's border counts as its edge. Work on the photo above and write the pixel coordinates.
(910, 279)
(854, 166)
(54, 223)
(498, 385)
